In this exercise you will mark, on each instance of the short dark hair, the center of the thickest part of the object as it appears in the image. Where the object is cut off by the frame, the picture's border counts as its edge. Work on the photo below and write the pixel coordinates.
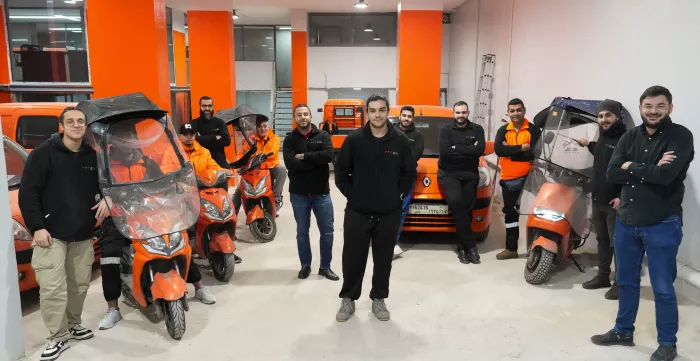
(408, 108)
(300, 105)
(375, 97)
(655, 91)
(66, 110)
(516, 101)
(460, 103)
(206, 97)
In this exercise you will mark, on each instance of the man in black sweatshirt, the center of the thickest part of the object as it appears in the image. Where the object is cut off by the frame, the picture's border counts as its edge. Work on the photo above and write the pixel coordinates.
(606, 195)
(461, 145)
(407, 126)
(59, 198)
(212, 132)
(374, 172)
(307, 152)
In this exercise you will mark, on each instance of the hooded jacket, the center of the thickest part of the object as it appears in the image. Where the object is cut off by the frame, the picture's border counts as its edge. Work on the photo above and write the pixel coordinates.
(308, 176)
(199, 156)
(58, 189)
(416, 138)
(207, 130)
(374, 174)
(602, 150)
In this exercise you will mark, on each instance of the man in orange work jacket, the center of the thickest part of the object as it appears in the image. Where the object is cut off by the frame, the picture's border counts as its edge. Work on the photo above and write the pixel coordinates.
(514, 144)
(266, 141)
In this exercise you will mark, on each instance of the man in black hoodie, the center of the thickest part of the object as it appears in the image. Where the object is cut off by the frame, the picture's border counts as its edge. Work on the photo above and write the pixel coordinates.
(407, 126)
(374, 172)
(307, 152)
(59, 198)
(212, 132)
(606, 195)
(462, 143)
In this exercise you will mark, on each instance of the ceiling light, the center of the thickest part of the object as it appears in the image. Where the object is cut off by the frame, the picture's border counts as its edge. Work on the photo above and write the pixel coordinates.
(356, 88)
(69, 2)
(285, 28)
(235, 15)
(65, 29)
(361, 4)
(45, 17)
(377, 38)
(268, 37)
(368, 28)
(20, 39)
(263, 45)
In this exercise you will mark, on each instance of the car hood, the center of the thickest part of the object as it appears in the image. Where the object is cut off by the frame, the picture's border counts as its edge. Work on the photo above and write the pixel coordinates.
(426, 180)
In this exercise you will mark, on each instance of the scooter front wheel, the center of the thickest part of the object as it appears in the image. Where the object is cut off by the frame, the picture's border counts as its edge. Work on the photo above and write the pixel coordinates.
(264, 229)
(540, 263)
(174, 312)
(222, 265)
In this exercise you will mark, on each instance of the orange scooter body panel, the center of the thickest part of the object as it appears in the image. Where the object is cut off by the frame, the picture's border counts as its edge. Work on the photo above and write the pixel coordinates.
(219, 242)
(253, 177)
(222, 243)
(559, 198)
(168, 286)
(254, 214)
(546, 243)
(142, 257)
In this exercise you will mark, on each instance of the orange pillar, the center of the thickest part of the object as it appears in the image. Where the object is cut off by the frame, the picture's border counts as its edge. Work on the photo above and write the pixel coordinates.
(129, 58)
(180, 58)
(5, 53)
(212, 58)
(300, 80)
(419, 52)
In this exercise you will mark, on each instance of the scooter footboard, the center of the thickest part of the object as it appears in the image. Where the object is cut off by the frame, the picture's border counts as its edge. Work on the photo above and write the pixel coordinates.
(168, 286)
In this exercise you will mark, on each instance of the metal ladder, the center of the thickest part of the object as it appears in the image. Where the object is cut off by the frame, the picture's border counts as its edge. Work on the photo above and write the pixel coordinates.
(482, 109)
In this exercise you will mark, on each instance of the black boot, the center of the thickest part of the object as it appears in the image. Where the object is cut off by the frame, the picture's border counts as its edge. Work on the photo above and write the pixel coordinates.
(462, 255)
(473, 255)
(599, 281)
(613, 338)
(665, 353)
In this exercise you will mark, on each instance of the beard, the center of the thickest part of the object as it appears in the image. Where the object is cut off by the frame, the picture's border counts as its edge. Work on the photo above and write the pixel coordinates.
(658, 125)
(461, 120)
(371, 123)
(206, 114)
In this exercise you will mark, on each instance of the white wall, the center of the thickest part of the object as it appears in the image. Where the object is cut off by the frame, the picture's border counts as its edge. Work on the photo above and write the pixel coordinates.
(254, 75)
(445, 56)
(350, 67)
(462, 54)
(316, 99)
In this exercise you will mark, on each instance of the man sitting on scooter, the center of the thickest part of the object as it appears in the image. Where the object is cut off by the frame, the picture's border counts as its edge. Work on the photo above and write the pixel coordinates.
(129, 164)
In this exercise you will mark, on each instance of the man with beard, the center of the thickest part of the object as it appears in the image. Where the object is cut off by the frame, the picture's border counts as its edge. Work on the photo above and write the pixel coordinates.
(650, 162)
(514, 145)
(461, 145)
(606, 195)
(407, 126)
(307, 152)
(212, 132)
(374, 172)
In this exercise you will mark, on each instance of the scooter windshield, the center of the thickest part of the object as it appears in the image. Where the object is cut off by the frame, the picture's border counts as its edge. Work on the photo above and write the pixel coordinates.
(147, 178)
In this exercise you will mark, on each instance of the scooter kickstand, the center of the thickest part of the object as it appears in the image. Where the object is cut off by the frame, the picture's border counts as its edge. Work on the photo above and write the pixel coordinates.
(580, 268)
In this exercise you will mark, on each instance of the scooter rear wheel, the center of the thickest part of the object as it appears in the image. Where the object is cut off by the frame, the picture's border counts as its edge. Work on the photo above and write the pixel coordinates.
(540, 263)
(174, 312)
(222, 265)
(264, 229)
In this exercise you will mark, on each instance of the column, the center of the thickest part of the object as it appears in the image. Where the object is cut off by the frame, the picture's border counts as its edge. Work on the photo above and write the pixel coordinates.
(300, 81)
(179, 48)
(212, 58)
(5, 54)
(129, 48)
(419, 52)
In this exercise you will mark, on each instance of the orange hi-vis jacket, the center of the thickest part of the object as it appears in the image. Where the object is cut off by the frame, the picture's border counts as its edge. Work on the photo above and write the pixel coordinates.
(267, 144)
(199, 156)
(516, 163)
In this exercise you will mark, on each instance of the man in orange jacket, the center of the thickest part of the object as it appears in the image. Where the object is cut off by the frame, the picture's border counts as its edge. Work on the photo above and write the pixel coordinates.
(266, 141)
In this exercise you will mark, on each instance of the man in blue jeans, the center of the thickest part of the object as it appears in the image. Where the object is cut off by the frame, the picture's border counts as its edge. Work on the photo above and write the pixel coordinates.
(650, 161)
(307, 152)
(407, 126)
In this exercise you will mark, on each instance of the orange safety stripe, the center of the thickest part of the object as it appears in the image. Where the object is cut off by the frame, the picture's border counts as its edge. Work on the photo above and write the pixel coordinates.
(511, 169)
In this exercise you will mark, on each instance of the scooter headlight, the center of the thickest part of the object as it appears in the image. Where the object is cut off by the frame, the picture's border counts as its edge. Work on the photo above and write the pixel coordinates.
(549, 214)
(228, 210)
(261, 187)
(20, 233)
(176, 242)
(211, 210)
(248, 188)
(156, 245)
(484, 177)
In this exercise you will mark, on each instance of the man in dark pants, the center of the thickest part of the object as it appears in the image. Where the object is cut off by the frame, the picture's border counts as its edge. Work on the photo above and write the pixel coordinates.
(606, 196)
(212, 132)
(406, 125)
(461, 145)
(375, 171)
(514, 145)
(651, 162)
(307, 152)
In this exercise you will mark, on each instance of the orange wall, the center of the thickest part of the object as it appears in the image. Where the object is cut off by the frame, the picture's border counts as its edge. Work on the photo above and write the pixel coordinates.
(300, 87)
(129, 48)
(180, 57)
(419, 52)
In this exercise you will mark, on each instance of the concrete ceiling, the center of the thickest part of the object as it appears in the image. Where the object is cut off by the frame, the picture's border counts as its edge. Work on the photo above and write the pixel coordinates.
(264, 12)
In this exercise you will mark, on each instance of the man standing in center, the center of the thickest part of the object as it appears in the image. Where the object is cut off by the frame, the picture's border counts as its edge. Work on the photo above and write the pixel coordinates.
(462, 143)
(212, 132)
(375, 171)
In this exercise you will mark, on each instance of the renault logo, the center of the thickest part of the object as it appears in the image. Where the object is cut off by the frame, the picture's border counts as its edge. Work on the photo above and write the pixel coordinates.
(426, 181)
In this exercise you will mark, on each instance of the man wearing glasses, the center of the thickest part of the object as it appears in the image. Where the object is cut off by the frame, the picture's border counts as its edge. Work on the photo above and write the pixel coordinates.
(212, 132)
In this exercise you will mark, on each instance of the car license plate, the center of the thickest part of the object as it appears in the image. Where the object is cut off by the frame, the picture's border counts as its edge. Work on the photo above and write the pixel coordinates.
(440, 209)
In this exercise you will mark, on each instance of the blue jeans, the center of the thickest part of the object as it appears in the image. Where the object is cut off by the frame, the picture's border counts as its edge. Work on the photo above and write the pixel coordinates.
(322, 206)
(661, 242)
(405, 206)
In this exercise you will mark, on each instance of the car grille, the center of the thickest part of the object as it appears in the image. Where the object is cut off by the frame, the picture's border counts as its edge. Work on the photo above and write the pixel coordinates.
(429, 220)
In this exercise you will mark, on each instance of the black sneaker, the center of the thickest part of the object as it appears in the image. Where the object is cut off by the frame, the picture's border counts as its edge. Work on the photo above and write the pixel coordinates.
(78, 332)
(53, 350)
(597, 282)
(612, 293)
(612, 338)
(665, 353)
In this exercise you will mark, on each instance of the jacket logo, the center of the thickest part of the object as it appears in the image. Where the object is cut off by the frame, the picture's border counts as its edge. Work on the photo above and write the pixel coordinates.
(391, 152)
(610, 146)
(89, 168)
(316, 142)
(426, 181)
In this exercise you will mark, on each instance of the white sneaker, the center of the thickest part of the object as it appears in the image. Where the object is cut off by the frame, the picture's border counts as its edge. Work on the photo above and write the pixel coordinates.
(53, 350)
(205, 296)
(397, 251)
(111, 318)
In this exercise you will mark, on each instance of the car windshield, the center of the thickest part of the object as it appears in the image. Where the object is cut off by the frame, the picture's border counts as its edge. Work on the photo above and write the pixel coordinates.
(430, 128)
(15, 156)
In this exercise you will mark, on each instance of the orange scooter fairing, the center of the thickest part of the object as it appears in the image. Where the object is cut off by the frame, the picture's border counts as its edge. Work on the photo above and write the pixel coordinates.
(254, 214)
(168, 286)
(253, 178)
(219, 241)
(558, 198)
(222, 243)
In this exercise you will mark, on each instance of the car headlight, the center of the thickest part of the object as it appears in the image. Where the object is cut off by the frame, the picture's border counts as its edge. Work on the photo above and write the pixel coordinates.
(484, 177)
(211, 210)
(549, 214)
(20, 233)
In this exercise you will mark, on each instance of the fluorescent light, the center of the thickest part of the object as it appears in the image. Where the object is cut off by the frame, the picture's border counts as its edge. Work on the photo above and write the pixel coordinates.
(285, 28)
(361, 4)
(76, 31)
(69, 2)
(65, 29)
(263, 45)
(45, 17)
(268, 37)
(356, 88)
(20, 39)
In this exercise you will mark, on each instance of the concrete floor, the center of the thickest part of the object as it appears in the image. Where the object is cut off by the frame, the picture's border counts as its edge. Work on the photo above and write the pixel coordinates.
(441, 310)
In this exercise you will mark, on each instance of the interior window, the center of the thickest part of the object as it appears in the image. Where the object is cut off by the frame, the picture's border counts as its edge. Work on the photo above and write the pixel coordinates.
(33, 130)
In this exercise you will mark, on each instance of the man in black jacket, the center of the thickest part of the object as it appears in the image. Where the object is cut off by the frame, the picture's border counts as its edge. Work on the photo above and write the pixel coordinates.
(307, 152)
(375, 171)
(407, 126)
(461, 145)
(212, 132)
(57, 199)
(606, 195)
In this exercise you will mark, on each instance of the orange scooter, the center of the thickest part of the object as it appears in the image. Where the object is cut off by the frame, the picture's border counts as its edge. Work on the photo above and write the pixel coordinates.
(258, 200)
(216, 228)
